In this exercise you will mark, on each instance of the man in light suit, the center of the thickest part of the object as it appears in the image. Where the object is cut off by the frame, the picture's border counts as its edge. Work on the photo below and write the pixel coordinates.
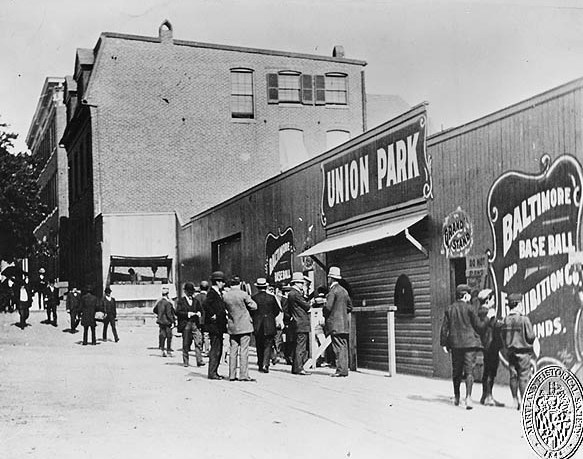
(298, 311)
(239, 326)
(336, 309)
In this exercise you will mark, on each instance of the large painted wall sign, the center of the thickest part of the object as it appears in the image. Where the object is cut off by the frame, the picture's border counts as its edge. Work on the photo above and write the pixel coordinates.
(278, 251)
(388, 169)
(457, 234)
(536, 222)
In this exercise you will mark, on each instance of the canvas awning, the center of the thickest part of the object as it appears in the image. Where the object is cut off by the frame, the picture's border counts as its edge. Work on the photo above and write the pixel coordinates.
(360, 236)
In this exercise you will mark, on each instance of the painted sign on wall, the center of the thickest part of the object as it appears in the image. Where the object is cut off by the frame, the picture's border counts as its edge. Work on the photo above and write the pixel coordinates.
(278, 251)
(535, 222)
(457, 234)
(387, 169)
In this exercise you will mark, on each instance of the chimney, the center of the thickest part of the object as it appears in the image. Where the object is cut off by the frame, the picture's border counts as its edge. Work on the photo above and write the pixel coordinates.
(338, 51)
(165, 32)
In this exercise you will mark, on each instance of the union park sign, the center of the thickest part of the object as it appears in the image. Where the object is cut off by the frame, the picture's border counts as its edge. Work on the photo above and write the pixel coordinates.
(536, 222)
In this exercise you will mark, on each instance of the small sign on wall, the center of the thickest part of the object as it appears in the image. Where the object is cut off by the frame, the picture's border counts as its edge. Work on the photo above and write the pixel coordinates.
(457, 234)
(476, 271)
(278, 251)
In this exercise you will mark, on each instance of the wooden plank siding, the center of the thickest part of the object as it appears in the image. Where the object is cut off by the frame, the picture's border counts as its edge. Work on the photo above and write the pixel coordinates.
(372, 271)
(467, 160)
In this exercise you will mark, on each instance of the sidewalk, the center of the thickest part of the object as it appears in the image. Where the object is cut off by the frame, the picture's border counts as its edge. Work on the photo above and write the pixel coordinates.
(123, 400)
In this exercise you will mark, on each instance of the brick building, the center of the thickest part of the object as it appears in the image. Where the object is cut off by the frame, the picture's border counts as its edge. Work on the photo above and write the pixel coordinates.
(160, 129)
(46, 128)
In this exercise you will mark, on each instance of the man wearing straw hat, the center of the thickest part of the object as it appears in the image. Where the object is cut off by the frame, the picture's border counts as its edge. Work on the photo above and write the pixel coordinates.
(264, 323)
(336, 309)
(298, 310)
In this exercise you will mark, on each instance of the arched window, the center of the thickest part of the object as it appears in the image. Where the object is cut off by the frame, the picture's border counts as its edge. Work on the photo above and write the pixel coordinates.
(404, 296)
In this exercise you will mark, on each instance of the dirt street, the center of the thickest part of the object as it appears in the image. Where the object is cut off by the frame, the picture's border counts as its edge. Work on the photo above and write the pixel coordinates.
(60, 399)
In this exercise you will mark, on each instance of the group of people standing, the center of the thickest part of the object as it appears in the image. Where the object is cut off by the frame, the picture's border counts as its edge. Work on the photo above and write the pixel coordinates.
(469, 329)
(226, 307)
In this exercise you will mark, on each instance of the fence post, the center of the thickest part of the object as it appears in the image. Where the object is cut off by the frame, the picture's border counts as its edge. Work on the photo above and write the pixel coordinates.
(391, 340)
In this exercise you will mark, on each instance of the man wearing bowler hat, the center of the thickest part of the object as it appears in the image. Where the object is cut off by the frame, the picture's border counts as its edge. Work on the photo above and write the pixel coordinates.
(336, 309)
(460, 336)
(298, 309)
(264, 324)
(188, 313)
(215, 322)
(518, 337)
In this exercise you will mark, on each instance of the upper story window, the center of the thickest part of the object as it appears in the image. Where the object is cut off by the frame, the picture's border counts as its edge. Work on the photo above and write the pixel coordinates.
(336, 137)
(336, 89)
(242, 94)
(289, 87)
(295, 87)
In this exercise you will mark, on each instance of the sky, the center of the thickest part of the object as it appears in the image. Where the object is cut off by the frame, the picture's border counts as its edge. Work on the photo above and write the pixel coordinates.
(465, 58)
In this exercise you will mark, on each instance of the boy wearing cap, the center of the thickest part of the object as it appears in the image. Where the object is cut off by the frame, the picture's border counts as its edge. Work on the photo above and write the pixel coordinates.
(490, 336)
(517, 337)
(459, 335)
(336, 309)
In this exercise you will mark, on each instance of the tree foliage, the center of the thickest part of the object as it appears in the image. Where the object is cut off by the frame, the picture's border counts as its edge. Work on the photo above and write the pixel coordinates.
(21, 209)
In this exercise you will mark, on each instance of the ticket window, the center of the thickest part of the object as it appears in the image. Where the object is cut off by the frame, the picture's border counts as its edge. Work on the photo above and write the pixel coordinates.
(457, 270)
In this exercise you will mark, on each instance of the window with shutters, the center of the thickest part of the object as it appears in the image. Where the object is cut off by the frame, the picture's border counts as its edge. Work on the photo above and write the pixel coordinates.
(242, 94)
(336, 89)
(404, 296)
(289, 87)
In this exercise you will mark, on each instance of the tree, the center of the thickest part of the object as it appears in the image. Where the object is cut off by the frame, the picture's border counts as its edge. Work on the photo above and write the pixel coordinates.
(21, 209)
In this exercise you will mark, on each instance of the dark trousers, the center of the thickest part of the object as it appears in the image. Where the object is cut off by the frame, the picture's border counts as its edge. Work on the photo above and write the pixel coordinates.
(109, 321)
(263, 344)
(215, 353)
(519, 367)
(300, 352)
(52, 313)
(340, 347)
(24, 313)
(491, 361)
(165, 337)
(85, 333)
(74, 320)
(191, 334)
(277, 352)
(463, 361)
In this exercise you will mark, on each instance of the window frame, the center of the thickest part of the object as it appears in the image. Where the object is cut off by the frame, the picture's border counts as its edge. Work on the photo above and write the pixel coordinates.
(242, 115)
(281, 77)
(338, 76)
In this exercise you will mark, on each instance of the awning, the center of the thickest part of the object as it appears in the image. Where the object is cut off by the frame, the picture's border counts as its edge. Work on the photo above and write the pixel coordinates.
(364, 235)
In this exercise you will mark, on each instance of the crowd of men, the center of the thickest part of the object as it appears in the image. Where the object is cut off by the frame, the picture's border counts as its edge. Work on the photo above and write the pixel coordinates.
(469, 329)
(278, 316)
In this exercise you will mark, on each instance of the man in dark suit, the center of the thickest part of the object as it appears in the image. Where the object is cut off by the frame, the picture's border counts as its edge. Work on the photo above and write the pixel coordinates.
(460, 336)
(52, 300)
(264, 325)
(73, 306)
(200, 335)
(298, 311)
(109, 308)
(189, 313)
(215, 322)
(89, 303)
(336, 309)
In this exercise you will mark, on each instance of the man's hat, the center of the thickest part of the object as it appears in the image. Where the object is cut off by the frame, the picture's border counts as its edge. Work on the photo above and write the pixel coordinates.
(107, 290)
(218, 276)
(42, 270)
(334, 272)
(484, 294)
(189, 287)
(462, 288)
(297, 277)
(165, 287)
(514, 298)
(261, 282)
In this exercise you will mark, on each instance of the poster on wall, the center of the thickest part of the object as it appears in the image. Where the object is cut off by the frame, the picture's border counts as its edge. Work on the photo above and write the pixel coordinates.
(457, 234)
(278, 251)
(535, 222)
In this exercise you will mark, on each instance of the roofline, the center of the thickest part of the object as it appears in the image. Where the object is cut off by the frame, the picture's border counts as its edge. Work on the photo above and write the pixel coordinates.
(240, 49)
(505, 112)
(33, 124)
